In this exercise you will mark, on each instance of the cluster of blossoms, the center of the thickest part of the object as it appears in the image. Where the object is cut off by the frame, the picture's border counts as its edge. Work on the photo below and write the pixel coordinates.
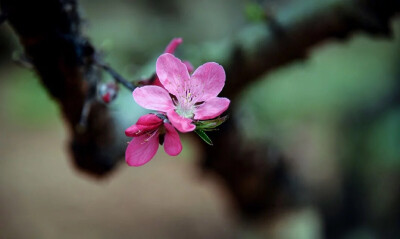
(182, 102)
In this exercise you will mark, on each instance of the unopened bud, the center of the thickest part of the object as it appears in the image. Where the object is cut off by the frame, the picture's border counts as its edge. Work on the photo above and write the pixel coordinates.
(108, 92)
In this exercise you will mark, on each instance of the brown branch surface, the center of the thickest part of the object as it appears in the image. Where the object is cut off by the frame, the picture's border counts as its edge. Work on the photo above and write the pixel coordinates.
(50, 32)
(290, 33)
(254, 173)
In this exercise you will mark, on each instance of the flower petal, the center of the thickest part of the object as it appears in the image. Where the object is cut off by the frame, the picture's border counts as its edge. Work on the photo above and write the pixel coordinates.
(144, 124)
(134, 131)
(207, 81)
(173, 45)
(172, 143)
(141, 150)
(189, 66)
(172, 73)
(153, 98)
(180, 123)
(211, 108)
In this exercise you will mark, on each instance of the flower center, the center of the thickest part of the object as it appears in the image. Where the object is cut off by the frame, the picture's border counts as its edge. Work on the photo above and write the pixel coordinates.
(185, 110)
(185, 106)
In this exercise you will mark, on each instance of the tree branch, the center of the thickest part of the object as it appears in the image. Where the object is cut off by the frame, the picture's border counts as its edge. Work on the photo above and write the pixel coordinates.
(254, 173)
(288, 35)
(50, 32)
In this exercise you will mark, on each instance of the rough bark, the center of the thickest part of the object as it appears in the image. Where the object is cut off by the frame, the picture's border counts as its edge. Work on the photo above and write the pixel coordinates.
(50, 32)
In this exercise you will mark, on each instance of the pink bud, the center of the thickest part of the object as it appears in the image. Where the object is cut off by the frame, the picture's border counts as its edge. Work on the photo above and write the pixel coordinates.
(173, 45)
(108, 92)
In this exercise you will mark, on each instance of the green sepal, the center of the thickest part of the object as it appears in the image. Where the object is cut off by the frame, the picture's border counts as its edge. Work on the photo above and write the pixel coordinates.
(208, 130)
(203, 136)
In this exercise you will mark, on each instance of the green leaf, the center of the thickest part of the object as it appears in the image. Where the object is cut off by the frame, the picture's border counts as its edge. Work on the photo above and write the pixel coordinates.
(210, 124)
(203, 136)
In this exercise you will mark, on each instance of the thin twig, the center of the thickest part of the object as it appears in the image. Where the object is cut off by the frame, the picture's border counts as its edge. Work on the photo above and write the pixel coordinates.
(117, 77)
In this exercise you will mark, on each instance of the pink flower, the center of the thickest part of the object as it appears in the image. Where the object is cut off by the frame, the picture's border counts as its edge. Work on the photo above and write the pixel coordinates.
(171, 49)
(193, 97)
(147, 133)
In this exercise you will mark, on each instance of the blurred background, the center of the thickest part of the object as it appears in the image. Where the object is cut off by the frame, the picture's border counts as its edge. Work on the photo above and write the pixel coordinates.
(335, 116)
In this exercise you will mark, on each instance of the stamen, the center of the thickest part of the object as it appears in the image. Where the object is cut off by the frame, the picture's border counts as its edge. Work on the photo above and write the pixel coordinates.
(151, 135)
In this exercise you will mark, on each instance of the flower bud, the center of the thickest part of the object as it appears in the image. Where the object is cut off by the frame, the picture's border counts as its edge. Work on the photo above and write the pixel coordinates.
(108, 92)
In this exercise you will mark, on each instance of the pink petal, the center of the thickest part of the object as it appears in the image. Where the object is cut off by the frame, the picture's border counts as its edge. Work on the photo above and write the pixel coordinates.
(172, 143)
(134, 131)
(180, 123)
(141, 150)
(173, 45)
(153, 98)
(189, 66)
(149, 119)
(207, 81)
(146, 123)
(172, 73)
(211, 108)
